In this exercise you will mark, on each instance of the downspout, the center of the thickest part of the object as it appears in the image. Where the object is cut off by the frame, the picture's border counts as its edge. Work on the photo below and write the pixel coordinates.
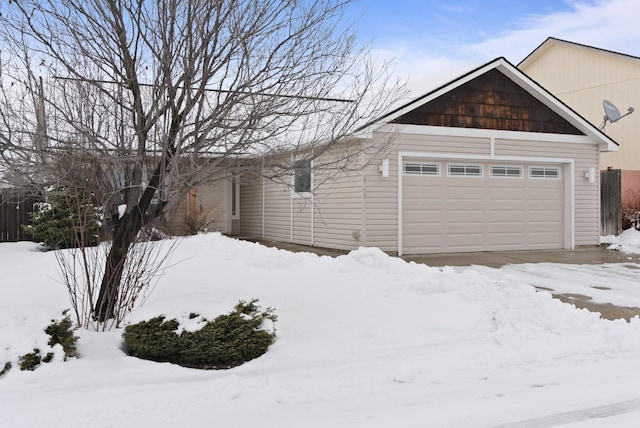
(312, 208)
(263, 198)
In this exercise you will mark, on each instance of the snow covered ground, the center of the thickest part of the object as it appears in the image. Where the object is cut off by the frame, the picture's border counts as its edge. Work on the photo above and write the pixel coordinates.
(364, 340)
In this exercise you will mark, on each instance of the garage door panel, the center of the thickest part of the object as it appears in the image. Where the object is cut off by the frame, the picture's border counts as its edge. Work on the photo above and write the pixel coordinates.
(454, 214)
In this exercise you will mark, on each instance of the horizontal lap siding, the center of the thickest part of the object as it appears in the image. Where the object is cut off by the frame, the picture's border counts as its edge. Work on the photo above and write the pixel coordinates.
(277, 211)
(338, 210)
(440, 144)
(301, 215)
(251, 208)
(587, 196)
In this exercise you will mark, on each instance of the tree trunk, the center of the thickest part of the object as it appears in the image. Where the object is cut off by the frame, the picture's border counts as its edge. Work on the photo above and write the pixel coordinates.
(123, 237)
(127, 231)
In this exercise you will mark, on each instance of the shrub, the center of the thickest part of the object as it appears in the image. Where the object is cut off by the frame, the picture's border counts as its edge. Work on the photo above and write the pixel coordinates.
(62, 332)
(6, 368)
(65, 221)
(155, 339)
(227, 341)
(31, 360)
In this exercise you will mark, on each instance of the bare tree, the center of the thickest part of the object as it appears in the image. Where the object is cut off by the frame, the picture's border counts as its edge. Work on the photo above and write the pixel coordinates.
(173, 93)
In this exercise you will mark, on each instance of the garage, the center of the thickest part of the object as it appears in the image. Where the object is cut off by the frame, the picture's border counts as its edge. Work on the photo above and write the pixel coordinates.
(452, 205)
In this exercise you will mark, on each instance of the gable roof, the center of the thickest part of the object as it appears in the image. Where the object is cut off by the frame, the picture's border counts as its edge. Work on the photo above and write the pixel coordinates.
(519, 78)
(551, 41)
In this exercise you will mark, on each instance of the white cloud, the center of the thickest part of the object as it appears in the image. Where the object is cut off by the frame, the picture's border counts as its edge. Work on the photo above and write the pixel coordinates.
(606, 24)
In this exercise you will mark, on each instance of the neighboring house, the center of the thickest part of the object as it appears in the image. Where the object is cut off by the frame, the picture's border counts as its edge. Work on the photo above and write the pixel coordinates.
(490, 161)
(582, 77)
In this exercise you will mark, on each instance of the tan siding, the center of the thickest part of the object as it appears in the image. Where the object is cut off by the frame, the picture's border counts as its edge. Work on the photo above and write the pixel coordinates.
(449, 144)
(277, 222)
(251, 208)
(381, 204)
(338, 210)
(301, 210)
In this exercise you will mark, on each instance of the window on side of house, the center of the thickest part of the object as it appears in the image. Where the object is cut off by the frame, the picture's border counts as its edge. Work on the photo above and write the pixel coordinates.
(506, 171)
(544, 172)
(302, 176)
(464, 170)
(235, 201)
(411, 168)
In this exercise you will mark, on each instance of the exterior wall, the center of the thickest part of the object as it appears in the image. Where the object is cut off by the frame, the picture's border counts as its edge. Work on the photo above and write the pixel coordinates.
(587, 77)
(250, 212)
(205, 207)
(630, 182)
(382, 193)
(277, 212)
(338, 208)
(330, 216)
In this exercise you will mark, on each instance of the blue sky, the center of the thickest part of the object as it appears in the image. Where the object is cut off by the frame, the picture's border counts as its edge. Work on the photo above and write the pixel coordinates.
(433, 42)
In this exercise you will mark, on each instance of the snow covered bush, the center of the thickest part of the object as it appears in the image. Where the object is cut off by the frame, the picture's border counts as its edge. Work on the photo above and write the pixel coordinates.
(62, 332)
(65, 221)
(30, 360)
(228, 341)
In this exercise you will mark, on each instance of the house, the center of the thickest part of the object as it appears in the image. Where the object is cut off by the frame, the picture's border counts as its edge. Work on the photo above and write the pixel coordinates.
(584, 77)
(488, 162)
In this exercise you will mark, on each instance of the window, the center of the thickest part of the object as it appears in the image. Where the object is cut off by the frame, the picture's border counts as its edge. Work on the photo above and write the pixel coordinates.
(422, 168)
(506, 171)
(302, 176)
(235, 187)
(544, 172)
(464, 170)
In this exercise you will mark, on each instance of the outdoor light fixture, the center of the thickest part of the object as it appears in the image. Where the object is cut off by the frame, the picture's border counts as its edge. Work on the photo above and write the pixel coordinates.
(384, 168)
(590, 175)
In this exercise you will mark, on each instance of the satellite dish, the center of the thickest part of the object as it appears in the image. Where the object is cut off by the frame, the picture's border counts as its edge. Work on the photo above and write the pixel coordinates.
(611, 111)
(612, 114)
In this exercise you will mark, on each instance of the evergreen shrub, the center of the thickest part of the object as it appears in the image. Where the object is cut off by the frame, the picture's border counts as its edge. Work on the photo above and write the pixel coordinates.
(31, 360)
(62, 332)
(65, 221)
(228, 341)
(6, 368)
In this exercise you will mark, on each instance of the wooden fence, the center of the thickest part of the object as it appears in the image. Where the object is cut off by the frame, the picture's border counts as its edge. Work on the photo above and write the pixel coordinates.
(610, 202)
(14, 214)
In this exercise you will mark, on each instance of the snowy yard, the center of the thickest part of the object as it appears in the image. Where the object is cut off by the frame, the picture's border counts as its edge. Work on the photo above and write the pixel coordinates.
(364, 340)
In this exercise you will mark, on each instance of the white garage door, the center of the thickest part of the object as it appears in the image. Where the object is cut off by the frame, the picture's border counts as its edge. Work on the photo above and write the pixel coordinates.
(452, 206)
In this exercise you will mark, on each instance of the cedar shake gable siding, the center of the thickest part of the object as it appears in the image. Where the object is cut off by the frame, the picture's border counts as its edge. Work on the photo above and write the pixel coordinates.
(490, 101)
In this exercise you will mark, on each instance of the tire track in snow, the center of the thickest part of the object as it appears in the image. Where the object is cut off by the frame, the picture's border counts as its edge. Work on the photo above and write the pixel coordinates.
(560, 419)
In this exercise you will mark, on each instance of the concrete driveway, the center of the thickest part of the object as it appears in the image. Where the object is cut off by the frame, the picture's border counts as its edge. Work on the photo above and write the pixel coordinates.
(587, 255)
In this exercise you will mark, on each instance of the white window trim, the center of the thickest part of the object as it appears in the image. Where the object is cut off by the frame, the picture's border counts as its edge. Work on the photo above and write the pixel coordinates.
(437, 165)
(465, 165)
(545, 167)
(295, 194)
(519, 167)
(235, 185)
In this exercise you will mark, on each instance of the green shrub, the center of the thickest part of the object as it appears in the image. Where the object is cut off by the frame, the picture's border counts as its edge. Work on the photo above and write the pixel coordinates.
(65, 221)
(227, 341)
(62, 332)
(31, 360)
(155, 339)
(6, 368)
